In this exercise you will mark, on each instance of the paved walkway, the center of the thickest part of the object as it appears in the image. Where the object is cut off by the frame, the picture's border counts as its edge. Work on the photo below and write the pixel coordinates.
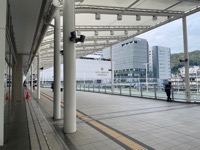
(151, 124)
(105, 122)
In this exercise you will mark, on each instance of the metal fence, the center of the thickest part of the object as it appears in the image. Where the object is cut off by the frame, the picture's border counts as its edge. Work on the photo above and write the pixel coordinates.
(140, 90)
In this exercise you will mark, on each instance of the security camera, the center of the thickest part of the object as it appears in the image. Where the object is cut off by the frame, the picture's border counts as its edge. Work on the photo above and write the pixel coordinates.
(73, 36)
(183, 60)
(74, 39)
(61, 52)
(81, 39)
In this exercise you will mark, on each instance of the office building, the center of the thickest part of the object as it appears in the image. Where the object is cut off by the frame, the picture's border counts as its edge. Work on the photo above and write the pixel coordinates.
(159, 62)
(130, 58)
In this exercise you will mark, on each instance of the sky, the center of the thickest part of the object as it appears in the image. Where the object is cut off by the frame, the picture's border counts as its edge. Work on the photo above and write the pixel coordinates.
(171, 35)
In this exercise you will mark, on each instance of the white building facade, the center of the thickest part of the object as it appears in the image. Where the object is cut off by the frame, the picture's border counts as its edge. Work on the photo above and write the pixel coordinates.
(160, 63)
(130, 57)
(88, 69)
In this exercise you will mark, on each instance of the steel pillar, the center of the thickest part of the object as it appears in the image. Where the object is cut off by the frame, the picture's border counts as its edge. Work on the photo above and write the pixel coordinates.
(31, 78)
(38, 75)
(112, 69)
(3, 14)
(57, 85)
(69, 67)
(186, 60)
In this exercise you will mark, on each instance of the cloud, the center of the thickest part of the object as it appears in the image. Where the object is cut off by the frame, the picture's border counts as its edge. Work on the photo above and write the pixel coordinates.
(171, 34)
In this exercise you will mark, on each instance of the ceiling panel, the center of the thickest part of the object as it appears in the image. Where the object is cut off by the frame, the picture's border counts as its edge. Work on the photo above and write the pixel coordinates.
(164, 12)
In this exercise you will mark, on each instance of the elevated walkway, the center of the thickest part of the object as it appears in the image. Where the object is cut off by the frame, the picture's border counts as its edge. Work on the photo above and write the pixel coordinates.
(105, 122)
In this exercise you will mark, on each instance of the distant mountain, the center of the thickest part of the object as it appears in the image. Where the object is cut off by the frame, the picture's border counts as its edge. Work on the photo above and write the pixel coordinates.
(194, 60)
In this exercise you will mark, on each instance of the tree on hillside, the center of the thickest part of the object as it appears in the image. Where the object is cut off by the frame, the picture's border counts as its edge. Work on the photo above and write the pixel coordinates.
(194, 60)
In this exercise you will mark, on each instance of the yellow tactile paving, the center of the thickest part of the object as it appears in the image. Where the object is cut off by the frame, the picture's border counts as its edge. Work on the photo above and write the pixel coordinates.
(119, 137)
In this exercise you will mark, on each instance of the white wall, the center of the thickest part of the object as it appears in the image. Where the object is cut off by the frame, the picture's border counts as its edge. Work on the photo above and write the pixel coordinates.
(85, 69)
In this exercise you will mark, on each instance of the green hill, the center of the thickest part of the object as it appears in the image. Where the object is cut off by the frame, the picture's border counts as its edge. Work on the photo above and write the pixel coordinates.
(194, 60)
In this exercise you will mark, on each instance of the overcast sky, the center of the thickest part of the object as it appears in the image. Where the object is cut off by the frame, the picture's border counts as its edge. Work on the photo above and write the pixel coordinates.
(171, 35)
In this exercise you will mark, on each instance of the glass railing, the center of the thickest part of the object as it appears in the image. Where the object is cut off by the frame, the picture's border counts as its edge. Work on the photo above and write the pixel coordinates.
(154, 92)
(131, 87)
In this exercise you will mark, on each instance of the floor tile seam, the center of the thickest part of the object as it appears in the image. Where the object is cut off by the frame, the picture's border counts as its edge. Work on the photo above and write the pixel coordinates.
(121, 116)
(58, 133)
(31, 128)
(117, 131)
(34, 124)
(121, 143)
(132, 110)
(51, 133)
(39, 130)
(184, 134)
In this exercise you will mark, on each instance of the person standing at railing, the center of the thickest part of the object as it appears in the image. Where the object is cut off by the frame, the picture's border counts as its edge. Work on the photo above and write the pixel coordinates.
(168, 88)
(52, 86)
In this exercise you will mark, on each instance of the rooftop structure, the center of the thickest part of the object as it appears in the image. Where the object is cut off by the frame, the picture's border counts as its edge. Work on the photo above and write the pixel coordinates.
(31, 41)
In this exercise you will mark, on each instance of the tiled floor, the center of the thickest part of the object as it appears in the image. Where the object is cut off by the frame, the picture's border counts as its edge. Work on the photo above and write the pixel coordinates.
(158, 124)
(153, 124)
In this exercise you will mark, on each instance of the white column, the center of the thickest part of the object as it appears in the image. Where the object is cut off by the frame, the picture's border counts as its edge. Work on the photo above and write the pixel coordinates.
(197, 82)
(3, 10)
(112, 69)
(27, 78)
(69, 67)
(186, 57)
(57, 96)
(147, 78)
(31, 78)
(38, 75)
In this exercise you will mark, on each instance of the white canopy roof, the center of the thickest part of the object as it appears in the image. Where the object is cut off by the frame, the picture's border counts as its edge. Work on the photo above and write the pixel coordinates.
(106, 22)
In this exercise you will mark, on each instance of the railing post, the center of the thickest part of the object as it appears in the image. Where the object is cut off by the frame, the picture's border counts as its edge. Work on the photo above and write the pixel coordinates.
(84, 87)
(105, 88)
(120, 90)
(99, 88)
(93, 87)
(155, 91)
(172, 94)
(130, 90)
(88, 87)
(141, 91)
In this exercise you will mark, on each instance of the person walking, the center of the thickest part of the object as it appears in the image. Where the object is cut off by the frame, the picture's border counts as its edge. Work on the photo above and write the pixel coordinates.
(168, 88)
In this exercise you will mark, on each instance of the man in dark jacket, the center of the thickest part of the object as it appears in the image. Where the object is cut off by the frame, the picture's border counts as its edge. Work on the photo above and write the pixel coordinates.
(52, 86)
(168, 88)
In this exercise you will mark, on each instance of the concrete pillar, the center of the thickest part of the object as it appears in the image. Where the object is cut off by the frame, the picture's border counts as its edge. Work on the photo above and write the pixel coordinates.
(57, 86)
(13, 75)
(112, 69)
(69, 67)
(38, 75)
(18, 79)
(186, 57)
(3, 10)
(31, 78)
(9, 77)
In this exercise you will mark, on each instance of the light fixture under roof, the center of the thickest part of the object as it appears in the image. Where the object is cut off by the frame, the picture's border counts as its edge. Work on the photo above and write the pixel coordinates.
(111, 32)
(119, 16)
(125, 32)
(97, 16)
(155, 18)
(138, 17)
(169, 17)
(96, 33)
